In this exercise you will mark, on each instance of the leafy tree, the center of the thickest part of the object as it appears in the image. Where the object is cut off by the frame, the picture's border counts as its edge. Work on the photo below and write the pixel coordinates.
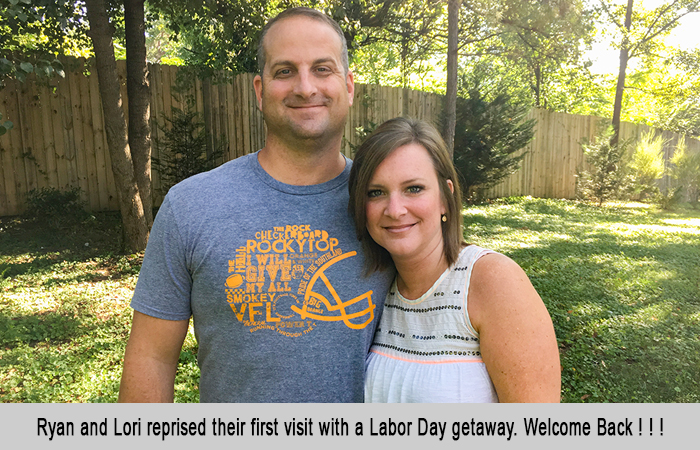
(540, 38)
(139, 92)
(488, 134)
(401, 31)
(606, 176)
(665, 92)
(218, 35)
(34, 33)
(638, 32)
(130, 202)
(450, 112)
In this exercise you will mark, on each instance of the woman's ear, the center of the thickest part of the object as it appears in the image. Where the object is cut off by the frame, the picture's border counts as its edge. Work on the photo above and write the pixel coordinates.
(451, 185)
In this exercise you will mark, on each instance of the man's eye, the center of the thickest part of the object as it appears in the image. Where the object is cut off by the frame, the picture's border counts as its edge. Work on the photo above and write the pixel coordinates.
(374, 193)
(283, 72)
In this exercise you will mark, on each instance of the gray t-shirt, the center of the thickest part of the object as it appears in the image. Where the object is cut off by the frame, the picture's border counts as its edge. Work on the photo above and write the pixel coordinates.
(272, 275)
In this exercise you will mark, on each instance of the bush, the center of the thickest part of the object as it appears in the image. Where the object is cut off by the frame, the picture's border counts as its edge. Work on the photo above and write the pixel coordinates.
(606, 177)
(183, 148)
(488, 133)
(56, 209)
(686, 171)
(668, 200)
(647, 166)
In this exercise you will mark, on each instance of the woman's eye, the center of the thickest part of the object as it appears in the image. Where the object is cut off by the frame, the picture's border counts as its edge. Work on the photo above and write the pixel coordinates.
(374, 193)
(414, 189)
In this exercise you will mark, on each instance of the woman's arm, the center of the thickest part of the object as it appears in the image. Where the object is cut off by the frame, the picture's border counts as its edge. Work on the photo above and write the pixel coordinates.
(516, 334)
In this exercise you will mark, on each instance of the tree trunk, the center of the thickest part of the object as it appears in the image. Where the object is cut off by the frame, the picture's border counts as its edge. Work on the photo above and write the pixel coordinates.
(133, 220)
(139, 93)
(620, 89)
(452, 66)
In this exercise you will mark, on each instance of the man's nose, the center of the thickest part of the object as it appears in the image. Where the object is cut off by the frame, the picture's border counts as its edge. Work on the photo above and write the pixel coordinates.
(305, 85)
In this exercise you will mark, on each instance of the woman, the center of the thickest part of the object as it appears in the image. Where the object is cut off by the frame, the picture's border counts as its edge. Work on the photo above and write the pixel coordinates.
(460, 323)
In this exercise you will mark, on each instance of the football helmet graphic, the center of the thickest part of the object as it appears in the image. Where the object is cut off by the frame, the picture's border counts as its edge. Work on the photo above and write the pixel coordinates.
(356, 313)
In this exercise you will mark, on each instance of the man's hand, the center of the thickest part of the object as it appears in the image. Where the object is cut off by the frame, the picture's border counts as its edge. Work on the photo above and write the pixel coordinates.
(150, 362)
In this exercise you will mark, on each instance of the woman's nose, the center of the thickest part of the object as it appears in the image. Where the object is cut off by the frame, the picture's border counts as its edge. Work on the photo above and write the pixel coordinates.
(395, 207)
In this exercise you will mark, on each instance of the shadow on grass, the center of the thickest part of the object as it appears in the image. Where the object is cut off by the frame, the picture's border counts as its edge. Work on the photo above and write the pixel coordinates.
(19, 237)
(31, 329)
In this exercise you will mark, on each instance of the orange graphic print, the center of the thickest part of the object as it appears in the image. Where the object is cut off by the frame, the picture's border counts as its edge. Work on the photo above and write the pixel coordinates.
(279, 281)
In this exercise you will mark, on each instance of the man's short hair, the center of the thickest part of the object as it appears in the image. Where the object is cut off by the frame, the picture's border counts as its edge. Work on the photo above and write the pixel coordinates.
(303, 12)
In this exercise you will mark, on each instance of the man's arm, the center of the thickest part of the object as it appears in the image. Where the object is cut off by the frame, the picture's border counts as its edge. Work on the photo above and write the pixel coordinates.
(151, 358)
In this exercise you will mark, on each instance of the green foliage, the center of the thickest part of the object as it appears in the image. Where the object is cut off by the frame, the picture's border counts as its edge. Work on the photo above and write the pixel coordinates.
(668, 200)
(647, 165)
(361, 133)
(56, 209)
(686, 171)
(215, 36)
(183, 148)
(606, 176)
(544, 42)
(33, 33)
(488, 134)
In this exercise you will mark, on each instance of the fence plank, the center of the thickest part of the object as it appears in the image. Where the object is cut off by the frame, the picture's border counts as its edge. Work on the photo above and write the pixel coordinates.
(8, 199)
(32, 103)
(76, 79)
(25, 95)
(17, 151)
(93, 192)
(98, 141)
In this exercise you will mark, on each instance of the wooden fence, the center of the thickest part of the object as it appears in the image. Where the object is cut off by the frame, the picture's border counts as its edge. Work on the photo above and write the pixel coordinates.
(59, 140)
(555, 154)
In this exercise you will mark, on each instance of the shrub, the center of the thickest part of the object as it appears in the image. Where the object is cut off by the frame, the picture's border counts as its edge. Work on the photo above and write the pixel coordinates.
(183, 148)
(488, 133)
(668, 200)
(647, 165)
(606, 176)
(686, 171)
(56, 209)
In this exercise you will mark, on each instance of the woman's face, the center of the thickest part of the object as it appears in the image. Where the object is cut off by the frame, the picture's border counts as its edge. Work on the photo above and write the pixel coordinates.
(404, 205)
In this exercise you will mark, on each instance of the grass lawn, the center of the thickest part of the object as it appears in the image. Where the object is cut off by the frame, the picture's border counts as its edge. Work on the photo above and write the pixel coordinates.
(622, 284)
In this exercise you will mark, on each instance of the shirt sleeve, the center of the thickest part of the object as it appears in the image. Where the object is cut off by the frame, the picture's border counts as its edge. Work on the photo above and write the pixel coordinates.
(164, 283)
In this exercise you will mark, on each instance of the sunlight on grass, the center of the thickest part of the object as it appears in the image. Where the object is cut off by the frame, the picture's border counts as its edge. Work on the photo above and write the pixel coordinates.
(683, 222)
(630, 230)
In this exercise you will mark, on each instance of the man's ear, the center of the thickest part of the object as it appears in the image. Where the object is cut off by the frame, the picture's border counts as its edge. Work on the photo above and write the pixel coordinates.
(350, 84)
(257, 85)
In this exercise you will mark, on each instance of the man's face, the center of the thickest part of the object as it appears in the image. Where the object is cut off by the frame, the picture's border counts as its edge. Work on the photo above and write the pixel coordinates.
(304, 93)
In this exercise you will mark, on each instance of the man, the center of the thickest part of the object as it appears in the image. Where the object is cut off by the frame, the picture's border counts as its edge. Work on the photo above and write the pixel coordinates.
(261, 251)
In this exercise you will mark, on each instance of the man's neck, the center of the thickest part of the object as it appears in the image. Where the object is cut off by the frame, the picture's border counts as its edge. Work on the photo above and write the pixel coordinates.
(301, 166)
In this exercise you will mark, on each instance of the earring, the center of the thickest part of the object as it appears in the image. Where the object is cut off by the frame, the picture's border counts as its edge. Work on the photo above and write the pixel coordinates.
(444, 218)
